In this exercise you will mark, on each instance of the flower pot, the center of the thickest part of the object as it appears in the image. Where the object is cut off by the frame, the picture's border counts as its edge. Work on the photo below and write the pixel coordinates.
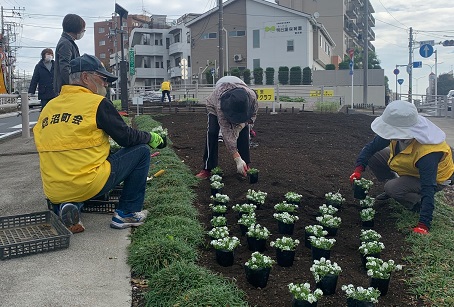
(331, 231)
(307, 243)
(253, 178)
(215, 191)
(303, 303)
(256, 245)
(257, 278)
(285, 258)
(318, 253)
(328, 284)
(258, 205)
(367, 224)
(381, 285)
(224, 257)
(214, 214)
(359, 192)
(333, 203)
(364, 259)
(357, 303)
(285, 229)
(215, 202)
(243, 229)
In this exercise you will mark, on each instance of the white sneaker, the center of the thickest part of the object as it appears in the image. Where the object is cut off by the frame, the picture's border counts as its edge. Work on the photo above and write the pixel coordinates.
(120, 220)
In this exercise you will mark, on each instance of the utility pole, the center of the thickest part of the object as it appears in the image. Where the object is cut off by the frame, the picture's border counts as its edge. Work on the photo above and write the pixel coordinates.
(123, 75)
(410, 65)
(221, 40)
(113, 33)
(365, 49)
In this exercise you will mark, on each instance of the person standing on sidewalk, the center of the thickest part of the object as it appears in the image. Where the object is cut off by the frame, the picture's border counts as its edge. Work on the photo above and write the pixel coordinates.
(232, 107)
(43, 78)
(72, 139)
(409, 153)
(166, 87)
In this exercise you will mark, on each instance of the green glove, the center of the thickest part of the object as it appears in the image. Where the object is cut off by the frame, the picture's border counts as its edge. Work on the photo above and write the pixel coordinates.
(155, 140)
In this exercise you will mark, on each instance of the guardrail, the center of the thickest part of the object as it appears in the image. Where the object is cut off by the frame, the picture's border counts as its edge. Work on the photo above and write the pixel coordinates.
(16, 100)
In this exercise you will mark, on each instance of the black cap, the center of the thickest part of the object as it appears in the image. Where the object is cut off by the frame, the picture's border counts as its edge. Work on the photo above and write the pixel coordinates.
(236, 106)
(88, 62)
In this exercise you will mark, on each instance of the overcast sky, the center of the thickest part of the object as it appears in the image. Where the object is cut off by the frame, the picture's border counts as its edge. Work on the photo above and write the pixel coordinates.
(40, 27)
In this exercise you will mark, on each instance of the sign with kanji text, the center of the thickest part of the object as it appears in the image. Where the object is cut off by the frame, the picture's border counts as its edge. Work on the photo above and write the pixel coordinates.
(265, 94)
(132, 65)
(318, 93)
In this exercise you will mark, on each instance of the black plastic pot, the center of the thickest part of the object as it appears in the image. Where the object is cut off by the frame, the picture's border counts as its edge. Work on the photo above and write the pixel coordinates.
(224, 257)
(253, 178)
(285, 229)
(318, 253)
(328, 284)
(359, 192)
(285, 258)
(257, 278)
(367, 224)
(256, 245)
(381, 285)
(303, 303)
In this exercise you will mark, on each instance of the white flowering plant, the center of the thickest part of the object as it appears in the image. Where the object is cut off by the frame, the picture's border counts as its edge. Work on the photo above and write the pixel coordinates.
(368, 202)
(226, 243)
(257, 197)
(324, 267)
(215, 178)
(361, 294)
(286, 217)
(218, 221)
(259, 261)
(219, 232)
(324, 209)
(377, 268)
(159, 130)
(244, 208)
(303, 292)
(247, 219)
(373, 247)
(322, 242)
(216, 185)
(293, 197)
(334, 198)
(285, 243)
(363, 183)
(369, 235)
(217, 171)
(220, 198)
(316, 230)
(367, 214)
(258, 231)
(284, 206)
(218, 208)
(329, 221)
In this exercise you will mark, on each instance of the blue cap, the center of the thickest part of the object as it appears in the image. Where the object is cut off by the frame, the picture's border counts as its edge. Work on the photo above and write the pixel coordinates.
(88, 62)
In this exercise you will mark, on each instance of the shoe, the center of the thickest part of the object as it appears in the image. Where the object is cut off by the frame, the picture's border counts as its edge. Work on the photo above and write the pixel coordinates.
(421, 229)
(77, 228)
(120, 220)
(220, 139)
(69, 214)
(382, 196)
(203, 174)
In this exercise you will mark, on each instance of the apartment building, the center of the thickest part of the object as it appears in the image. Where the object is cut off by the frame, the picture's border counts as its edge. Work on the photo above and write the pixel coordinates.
(343, 19)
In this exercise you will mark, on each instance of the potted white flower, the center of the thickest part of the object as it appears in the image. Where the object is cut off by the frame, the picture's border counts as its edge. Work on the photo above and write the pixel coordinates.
(326, 274)
(361, 187)
(218, 210)
(217, 171)
(293, 198)
(359, 294)
(215, 178)
(218, 221)
(253, 175)
(284, 206)
(246, 221)
(380, 273)
(220, 199)
(303, 296)
(369, 235)
(219, 232)
(258, 269)
(244, 209)
(286, 222)
(224, 249)
(285, 250)
(256, 237)
(313, 230)
(330, 223)
(321, 247)
(335, 199)
(256, 197)
(216, 187)
(327, 209)
(367, 202)
(370, 249)
(367, 217)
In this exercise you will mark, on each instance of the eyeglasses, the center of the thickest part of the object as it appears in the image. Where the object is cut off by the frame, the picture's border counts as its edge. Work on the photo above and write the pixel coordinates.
(102, 77)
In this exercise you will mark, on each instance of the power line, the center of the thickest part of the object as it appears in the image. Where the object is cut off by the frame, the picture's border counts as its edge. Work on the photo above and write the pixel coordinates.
(391, 14)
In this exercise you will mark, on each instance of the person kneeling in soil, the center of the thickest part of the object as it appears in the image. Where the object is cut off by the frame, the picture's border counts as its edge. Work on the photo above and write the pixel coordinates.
(232, 108)
(72, 139)
(410, 153)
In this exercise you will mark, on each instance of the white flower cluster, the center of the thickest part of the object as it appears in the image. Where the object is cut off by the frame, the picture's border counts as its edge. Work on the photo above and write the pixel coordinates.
(361, 294)
(303, 292)
(372, 247)
(285, 243)
(220, 198)
(369, 235)
(256, 196)
(286, 217)
(218, 208)
(257, 231)
(363, 183)
(322, 242)
(218, 221)
(367, 214)
(216, 185)
(285, 207)
(324, 209)
(113, 144)
(244, 208)
(247, 219)
(215, 178)
(380, 269)
(226, 243)
(259, 261)
(159, 130)
(316, 230)
(368, 202)
(329, 221)
(293, 197)
(335, 198)
(219, 232)
(324, 267)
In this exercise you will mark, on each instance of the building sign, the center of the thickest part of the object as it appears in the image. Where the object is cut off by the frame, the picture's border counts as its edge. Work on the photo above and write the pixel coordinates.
(284, 27)
(318, 93)
(265, 94)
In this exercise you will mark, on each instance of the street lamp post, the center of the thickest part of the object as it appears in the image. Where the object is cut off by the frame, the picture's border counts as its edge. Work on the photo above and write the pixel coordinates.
(226, 51)
(416, 79)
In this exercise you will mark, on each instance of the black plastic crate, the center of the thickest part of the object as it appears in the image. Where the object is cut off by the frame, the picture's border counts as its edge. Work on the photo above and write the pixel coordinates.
(115, 193)
(99, 206)
(26, 234)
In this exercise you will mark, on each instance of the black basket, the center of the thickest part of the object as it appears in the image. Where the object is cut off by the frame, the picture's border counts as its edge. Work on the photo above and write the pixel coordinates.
(99, 206)
(114, 195)
(26, 234)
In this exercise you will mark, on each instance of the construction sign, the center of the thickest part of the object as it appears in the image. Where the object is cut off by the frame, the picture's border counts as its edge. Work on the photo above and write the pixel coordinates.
(2, 81)
(318, 93)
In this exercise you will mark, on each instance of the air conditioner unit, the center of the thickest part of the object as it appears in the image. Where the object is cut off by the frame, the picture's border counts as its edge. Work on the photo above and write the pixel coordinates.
(237, 57)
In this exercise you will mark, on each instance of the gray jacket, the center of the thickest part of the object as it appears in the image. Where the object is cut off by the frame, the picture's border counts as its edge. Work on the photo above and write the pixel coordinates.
(65, 51)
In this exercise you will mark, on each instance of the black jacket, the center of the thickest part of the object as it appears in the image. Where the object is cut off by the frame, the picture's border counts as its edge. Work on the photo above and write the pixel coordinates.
(44, 79)
(65, 51)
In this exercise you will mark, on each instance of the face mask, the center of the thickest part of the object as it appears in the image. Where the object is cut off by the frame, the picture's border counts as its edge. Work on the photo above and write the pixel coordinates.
(48, 58)
(80, 35)
(100, 90)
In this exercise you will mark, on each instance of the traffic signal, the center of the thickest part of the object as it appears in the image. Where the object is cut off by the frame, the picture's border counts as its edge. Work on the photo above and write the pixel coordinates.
(448, 43)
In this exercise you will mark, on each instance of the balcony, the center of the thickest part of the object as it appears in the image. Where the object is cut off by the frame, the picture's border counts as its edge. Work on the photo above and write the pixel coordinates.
(147, 50)
(156, 73)
(371, 47)
(371, 35)
(175, 72)
(352, 10)
(351, 28)
(176, 48)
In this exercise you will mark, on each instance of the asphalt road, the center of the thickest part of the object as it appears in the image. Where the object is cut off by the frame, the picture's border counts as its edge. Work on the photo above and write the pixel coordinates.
(11, 123)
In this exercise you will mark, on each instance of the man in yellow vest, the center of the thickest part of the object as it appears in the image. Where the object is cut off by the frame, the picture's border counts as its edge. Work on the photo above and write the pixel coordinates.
(409, 153)
(165, 88)
(72, 139)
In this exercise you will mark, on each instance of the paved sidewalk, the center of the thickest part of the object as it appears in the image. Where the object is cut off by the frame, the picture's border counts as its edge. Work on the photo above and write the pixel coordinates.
(91, 272)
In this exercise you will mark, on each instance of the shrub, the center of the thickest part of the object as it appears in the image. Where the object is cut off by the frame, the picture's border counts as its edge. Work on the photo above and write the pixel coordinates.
(283, 75)
(330, 67)
(247, 76)
(307, 76)
(258, 76)
(295, 75)
(236, 72)
(269, 75)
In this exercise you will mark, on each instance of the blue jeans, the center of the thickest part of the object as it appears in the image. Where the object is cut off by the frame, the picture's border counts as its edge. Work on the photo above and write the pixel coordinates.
(129, 165)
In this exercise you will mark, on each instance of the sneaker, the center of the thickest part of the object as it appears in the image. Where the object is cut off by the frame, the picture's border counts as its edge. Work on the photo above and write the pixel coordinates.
(203, 174)
(220, 139)
(76, 228)
(421, 229)
(382, 196)
(69, 214)
(120, 220)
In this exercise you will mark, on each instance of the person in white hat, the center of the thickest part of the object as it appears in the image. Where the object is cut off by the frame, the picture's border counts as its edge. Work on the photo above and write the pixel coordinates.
(410, 153)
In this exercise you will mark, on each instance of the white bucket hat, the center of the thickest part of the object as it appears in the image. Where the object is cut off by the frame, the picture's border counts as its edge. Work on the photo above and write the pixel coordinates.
(401, 121)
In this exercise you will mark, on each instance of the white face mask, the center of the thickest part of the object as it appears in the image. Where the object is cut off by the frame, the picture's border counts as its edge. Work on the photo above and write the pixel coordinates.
(80, 35)
(100, 90)
(48, 58)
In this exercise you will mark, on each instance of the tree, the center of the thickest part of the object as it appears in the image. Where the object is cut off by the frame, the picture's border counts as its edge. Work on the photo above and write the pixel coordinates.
(209, 77)
(258, 76)
(236, 72)
(307, 76)
(373, 61)
(330, 67)
(247, 76)
(295, 75)
(445, 83)
(283, 75)
(269, 74)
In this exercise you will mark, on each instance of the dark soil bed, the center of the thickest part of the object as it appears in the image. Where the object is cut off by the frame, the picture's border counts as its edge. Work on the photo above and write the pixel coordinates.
(310, 154)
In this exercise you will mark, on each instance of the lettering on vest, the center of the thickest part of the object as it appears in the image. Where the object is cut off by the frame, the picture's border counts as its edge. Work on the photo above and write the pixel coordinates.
(62, 118)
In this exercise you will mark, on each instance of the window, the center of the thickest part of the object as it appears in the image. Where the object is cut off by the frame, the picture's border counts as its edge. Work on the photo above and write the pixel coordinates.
(237, 33)
(177, 61)
(102, 43)
(212, 35)
(255, 63)
(167, 43)
(102, 55)
(101, 30)
(176, 38)
(255, 38)
(168, 65)
(321, 40)
(157, 64)
(290, 46)
(189, 61)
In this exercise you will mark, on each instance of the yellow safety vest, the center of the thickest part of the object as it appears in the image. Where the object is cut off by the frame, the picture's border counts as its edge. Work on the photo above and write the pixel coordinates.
(404, 163)
(72, 149)
(165, 86)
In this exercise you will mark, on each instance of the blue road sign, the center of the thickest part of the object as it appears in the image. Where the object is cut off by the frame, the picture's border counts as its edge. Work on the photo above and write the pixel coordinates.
(396, 71)
(400, 81)
(417, 64)
(426, 50)
(212, 71)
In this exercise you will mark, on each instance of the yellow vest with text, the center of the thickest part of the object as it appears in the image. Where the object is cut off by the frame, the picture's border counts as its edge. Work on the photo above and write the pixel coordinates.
(404, 163)
(165, 86)
(72, 149)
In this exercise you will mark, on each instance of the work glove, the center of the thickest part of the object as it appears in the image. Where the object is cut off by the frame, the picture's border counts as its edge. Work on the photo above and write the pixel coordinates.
(155, 140)
(253, 133)
(356, 173)
(241, 166)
